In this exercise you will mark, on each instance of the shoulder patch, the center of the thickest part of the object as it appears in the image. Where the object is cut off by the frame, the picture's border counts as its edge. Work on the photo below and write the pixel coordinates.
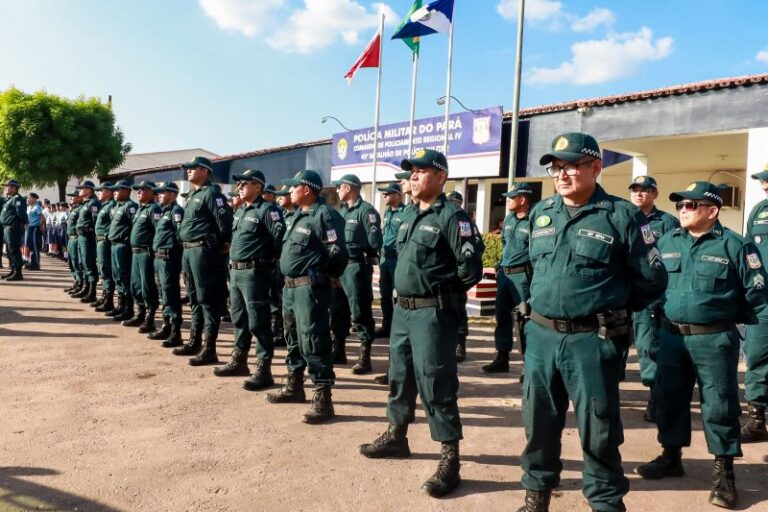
(331, 235)
(753, 260)
(156, 216)
(648, 236)
(372, 218)
(220, 202)
(132, 210)
(177, 217)
(274, 215)
(465, 229)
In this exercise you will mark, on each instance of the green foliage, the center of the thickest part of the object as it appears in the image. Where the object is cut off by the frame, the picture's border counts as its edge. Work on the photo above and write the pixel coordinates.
(46, 139)
(492, 254)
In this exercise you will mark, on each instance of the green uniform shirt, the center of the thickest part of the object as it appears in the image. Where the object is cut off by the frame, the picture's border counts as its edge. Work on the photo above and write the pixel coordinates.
(362, 230)
(88, 213)
(661, 222)
(717, 277)
(437, 251)
(314, 241)
(167, 228)
(603, 258)
(104, 218)
(257, 232)
(122, 221)
(207, 214)
(74, 214)
(14, 212)
(514, 240)
(392, 221)
(143, 230)
(757, 227)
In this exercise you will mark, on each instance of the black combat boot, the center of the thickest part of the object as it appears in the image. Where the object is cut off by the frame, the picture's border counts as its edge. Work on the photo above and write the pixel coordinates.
(117, 310)
(262, 376)
(207, 355)
(339, 349)
(277, 330)
(163, 332)
(382, 379)
(236, 367)
(127, 312)
(649, 414)
(669, 463)
(174, 340)
(149, 321)
(66, 290)
(10, 273)
(723, 492)
(108, 304)
(499, 365)
(76, 289)
(392, 444)
(84, 290)
(192, 346)
(321, 408)
(90, 297)
(461, 351)
(754, 430)
(363, 365)
(99, 302)
(292, 391)
(536, 501)
(15, 275)
(446, 478)
(138, 319)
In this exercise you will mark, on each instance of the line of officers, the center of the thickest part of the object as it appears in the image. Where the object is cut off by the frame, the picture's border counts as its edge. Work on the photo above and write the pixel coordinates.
(576, 269)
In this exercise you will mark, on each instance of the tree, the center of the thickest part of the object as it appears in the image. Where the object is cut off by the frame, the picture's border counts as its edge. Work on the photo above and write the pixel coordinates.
(46, 139)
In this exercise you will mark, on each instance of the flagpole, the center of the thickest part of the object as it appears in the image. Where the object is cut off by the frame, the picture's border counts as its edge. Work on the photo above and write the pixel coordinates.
(414, 77)
(377, 112)
(516, 99)
(448, 85)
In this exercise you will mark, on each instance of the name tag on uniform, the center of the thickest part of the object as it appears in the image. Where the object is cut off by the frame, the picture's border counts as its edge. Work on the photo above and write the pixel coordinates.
(760, 222)
(305, 231)
(608, 239)
(716, 259)
(433, 229)
(352, 221)
(670, 255)
(542, 232)
(251, 219)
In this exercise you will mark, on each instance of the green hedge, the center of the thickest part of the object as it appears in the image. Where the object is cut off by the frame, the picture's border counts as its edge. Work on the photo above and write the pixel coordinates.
(492, 253)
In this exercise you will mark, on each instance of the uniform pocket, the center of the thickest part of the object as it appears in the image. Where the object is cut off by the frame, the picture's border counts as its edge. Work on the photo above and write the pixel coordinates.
(426, 243)
(710, 277)
(591, 257)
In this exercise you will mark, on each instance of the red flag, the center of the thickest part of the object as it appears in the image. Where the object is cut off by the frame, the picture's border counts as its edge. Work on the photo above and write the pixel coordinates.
(370, 58)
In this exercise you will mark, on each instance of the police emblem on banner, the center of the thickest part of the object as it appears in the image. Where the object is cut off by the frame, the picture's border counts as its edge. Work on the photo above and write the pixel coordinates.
(342, 147)
(753, 260)
(481, 130)
(331, 235)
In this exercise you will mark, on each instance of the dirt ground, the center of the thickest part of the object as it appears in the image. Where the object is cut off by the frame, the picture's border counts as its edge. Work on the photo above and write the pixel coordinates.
(95, 417)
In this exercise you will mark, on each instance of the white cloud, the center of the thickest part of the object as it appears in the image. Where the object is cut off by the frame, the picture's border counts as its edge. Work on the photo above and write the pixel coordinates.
(250, 17)
(598, 16)
(762, 56)
(600, 61)
(535, 10)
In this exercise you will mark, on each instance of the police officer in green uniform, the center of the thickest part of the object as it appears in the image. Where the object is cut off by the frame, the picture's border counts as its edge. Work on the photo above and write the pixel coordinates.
(287, 209)
(205, 233)
(13, 218)
(2, 230)
(257, 235)
(513, 277)
(593, 257)
(313, 254)
(86, 241)
(355, 297)
(104, 248)
(76, 203)
(393, 216)
(644, 192)
(438, 259)
(716, 280)
(756, 342)
(167, 251)
(119, 236)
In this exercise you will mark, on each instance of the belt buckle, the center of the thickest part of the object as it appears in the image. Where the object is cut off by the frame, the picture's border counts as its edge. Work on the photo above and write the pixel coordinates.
(563, 325)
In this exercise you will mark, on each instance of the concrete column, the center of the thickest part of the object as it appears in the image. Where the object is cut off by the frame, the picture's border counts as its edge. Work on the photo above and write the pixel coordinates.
(639, 166)
(484, 201)
(757, 157)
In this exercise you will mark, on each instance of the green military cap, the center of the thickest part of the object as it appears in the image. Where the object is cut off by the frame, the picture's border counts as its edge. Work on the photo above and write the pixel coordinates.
(391, 188)
(426, 158)
(308, 178)
(73, 194)
(148, 185)
(699, 190)
(86, 184)
(405, 175)
(167, 186)
(349, 179)
(121, 184)
(517, 189)
(33, 194)
(269, 189)
(762, 175)
(250, 175)
(455, 196)
(105, 185)
(283, 192)
(12, 183)
(644, 182)
(198, 161)
(571, 147)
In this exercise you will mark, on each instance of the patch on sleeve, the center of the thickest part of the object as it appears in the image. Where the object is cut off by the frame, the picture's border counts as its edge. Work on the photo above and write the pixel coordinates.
(654, 258)
(18, 202)
(648, 236)
(156, 216)
(131, 210)
(220, 202)
(274, 215)
(753, 260)
(465, 229)
(468, 249)
(94, 209)
(177, 217)
(331, 235)
(372, 218)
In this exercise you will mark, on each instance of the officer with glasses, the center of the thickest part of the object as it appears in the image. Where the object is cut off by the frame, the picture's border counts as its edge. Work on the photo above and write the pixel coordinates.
(716, 280)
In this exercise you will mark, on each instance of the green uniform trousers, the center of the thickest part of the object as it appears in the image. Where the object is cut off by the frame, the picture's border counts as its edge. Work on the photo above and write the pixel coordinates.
(586, 369)
(249, 301)
(14, 236)
(276, 281)
(386, 288)
(511, 291)
(104, 265)
(647, 343)
(86, 247)
(354, 301)
(168, 271)
(73, 259)
(305, 319)
(121, 267)
(422, 359)
(143, 285)
(711, 361)
(205, 276)
(756, 352)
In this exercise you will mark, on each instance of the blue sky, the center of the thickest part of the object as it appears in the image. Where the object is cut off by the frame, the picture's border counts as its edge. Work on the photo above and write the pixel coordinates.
(239, 75)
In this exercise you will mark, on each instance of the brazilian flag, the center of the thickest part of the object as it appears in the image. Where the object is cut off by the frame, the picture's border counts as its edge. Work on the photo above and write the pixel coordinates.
(412, 42)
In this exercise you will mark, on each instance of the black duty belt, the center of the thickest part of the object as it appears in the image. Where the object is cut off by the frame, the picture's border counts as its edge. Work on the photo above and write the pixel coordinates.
(139, 250)
(253, 264)
(424, 302)
(295, 282)
(193, 245)
(163, 254)
(612, 319)
(119, 242)
(84, 231)
(72, 237)
(517, 270)
(689, 329)
(100, 238)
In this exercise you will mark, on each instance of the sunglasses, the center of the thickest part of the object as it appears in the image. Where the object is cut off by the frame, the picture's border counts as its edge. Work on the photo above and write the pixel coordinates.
(690, 206)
